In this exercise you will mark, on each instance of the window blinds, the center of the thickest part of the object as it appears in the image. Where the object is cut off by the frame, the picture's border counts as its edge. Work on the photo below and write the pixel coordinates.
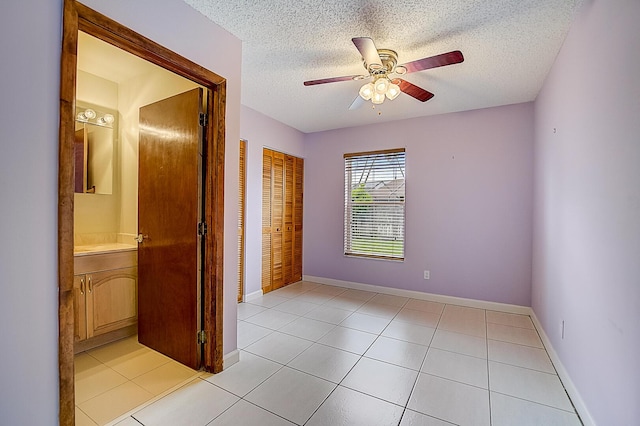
(374, 197)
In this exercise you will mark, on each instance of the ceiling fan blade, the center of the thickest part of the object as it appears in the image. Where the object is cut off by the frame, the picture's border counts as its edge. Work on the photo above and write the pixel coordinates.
(332, 80)
(357, 103)
(441, 60)
(368, 50)
(412, 90)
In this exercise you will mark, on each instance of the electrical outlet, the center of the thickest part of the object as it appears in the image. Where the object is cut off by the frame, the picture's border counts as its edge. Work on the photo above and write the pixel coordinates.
(427, 275)
(562, 330)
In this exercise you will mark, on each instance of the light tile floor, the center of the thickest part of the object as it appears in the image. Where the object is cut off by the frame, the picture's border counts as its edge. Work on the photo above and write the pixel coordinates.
(114, 379)
(318, 355)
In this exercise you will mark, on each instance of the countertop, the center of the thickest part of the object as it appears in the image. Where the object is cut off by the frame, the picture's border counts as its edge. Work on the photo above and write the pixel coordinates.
(102, 248)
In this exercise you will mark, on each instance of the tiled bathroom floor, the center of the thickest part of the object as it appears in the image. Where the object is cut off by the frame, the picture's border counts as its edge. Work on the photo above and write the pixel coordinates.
(113, 379)
(319, 355)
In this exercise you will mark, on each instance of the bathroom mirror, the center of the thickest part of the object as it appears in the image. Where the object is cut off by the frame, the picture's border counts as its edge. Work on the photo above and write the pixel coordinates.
(94, 149)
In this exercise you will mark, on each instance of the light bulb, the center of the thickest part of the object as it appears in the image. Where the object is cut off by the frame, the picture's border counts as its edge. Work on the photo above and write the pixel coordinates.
(89, 113)
(393, 91)
(366, 91)
(381, 85)
(377, 98)
(106, 119)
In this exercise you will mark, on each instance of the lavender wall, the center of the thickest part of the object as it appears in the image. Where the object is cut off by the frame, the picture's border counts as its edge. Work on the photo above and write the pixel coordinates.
(30, 34)
(261, 131)
(587, 208)
(468, 211)
(30, 70)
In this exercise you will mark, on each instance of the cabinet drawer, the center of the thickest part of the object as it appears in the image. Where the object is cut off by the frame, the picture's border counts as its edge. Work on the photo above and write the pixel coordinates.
(105, 261)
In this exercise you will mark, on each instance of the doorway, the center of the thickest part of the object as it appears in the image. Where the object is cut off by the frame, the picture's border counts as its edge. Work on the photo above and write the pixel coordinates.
(78, 17)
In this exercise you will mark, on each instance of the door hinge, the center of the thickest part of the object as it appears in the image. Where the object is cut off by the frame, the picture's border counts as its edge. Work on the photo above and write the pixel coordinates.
(202, 337)
(202, 228)
(204, 120)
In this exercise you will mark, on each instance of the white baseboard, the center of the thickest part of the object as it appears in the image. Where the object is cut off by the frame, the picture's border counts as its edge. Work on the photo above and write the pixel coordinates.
(252, 296)
(452, 300)
(231, 358)
(572, 391)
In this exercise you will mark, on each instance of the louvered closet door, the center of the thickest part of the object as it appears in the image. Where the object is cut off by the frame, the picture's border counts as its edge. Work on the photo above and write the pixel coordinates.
(282, 185)
(267, 163)
(298, 185)
(287, 244)
(277, 222)
(242, 185)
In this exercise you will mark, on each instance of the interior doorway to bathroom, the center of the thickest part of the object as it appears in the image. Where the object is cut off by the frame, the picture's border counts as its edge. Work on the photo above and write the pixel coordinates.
(208, 300)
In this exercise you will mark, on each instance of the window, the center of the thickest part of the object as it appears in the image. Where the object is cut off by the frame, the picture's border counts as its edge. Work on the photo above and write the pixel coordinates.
(374, 189)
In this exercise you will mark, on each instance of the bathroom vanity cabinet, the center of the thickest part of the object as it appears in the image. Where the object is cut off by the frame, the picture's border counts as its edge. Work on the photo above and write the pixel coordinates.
(105, 297)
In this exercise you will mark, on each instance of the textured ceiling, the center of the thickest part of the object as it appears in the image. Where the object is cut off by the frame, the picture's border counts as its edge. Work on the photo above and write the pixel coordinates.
(508, 45)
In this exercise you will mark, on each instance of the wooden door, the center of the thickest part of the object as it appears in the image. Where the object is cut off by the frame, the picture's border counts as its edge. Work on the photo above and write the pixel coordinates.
(169, 210)
(277, 220)
(267, 163)
(282, 186)
(242, 192)
(298, 187)
(287, 241)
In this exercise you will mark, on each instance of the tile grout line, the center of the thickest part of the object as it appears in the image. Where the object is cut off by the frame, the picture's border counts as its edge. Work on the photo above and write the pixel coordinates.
(354, 365)
(535, 402)
(415, 382)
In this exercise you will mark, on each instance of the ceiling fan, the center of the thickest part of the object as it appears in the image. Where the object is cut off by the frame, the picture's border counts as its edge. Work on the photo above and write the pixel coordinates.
(381, 65)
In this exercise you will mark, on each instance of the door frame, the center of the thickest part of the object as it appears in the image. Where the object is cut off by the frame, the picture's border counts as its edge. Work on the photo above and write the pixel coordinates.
(77, 17)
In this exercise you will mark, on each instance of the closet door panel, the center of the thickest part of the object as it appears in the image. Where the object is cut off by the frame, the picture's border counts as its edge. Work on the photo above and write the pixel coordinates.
(242, 192)
(298, 186)
(277, 222)
(267, 164)
(287, 249)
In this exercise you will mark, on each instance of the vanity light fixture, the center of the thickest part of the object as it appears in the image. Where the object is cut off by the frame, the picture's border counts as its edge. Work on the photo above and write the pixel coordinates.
(106, 119)
(90, 116)
(86, 115)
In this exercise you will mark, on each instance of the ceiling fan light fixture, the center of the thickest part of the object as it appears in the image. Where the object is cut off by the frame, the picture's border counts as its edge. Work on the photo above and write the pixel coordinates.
(377, 98)
(381, 85)
(383, 63)
(393, 91)
(366, 91)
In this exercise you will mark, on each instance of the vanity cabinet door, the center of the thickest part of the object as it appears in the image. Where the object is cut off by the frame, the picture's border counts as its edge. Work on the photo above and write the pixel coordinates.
(79, 308)
(112, 300)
